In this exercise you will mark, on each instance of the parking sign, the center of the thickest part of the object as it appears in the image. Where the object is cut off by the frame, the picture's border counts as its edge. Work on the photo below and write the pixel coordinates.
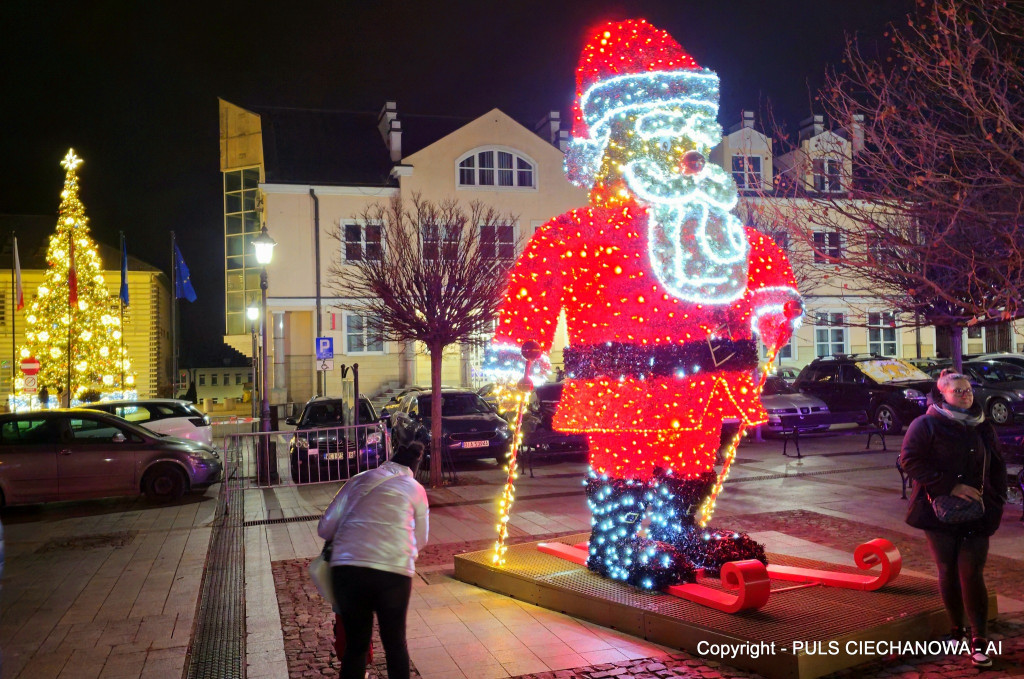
(324, 348)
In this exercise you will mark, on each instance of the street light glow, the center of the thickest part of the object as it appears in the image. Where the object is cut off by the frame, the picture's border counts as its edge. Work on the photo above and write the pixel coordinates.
(264, 246)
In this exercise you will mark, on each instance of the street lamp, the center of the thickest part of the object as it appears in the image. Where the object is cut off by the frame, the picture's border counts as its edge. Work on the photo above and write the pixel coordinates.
(253, 313)
(264, 246)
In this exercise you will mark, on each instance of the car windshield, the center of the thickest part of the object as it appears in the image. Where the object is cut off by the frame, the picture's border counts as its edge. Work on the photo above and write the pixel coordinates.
(890, 370)
(777, 385)
(454, 405)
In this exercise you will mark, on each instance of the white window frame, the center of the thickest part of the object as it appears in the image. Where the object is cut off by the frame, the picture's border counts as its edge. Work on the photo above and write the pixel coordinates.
(829, 327)
(345, 336)
(883, 326)
(830, 169)
(827, 247)
(516, 156)
(440, 242)
(514, 226)
(789, 346)
(362, 224)
(746, 176)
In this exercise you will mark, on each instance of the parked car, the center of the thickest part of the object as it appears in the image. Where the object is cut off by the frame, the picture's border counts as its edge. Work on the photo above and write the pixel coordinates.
(502, 398)
(538, 435)
(396, 401)
(470, 428)
(890, 391)
(170, 416)
(779, 398)
(1015, 359)
(327, 447)
(48, 455)
(998, 388)
(786, 373)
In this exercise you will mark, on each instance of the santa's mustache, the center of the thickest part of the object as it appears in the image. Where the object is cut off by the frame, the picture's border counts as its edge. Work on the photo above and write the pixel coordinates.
(698, 251)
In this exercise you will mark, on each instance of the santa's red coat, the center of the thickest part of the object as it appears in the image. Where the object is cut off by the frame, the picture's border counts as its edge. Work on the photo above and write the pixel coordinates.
(593, 264)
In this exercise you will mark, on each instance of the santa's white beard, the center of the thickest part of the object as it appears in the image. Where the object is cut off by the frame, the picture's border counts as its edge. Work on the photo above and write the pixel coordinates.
(698, 250)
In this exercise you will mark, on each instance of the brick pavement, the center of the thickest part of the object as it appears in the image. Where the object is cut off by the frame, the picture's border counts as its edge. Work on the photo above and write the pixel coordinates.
(306, 618)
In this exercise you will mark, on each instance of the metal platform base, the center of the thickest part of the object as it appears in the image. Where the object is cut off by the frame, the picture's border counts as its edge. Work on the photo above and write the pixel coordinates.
(907, 609)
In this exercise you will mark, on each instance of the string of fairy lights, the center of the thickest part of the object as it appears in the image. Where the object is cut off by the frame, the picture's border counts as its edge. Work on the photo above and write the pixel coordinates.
(72, 317)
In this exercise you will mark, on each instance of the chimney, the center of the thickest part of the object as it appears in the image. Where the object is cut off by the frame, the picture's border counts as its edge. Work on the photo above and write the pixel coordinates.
(390, 128)
(856, 133)
(746, 122)
(811, 127)
(548, 127)
(563, 140)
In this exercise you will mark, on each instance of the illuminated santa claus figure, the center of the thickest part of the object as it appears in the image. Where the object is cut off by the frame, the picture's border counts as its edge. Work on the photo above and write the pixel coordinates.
(666, 295)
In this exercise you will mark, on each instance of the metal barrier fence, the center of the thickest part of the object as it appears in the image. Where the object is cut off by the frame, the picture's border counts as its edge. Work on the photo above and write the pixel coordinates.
(301, 457)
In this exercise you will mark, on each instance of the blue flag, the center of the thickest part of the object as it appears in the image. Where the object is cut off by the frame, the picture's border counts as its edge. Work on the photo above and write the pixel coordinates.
(182, 278)
(124, 272)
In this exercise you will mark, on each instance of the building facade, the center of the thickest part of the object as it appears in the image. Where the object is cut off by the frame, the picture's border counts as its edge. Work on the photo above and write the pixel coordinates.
(310, 174)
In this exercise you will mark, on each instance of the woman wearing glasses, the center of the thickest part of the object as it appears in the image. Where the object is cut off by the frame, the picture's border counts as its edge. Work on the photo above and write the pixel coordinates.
(952, 451)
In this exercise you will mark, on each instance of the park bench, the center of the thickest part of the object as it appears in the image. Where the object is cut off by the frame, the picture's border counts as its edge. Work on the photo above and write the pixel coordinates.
(794, 427)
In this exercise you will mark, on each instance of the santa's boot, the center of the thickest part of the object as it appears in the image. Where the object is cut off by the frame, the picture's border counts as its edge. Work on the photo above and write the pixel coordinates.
(675, 509)
(618, 548)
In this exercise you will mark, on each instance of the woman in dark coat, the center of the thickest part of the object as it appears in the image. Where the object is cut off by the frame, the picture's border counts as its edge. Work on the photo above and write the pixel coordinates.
(945, 453)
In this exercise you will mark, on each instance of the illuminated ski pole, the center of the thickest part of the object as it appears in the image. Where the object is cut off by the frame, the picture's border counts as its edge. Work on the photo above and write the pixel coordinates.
(531, 352)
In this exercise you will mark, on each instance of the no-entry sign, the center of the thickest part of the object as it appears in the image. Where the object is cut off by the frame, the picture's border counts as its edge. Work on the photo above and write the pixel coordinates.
(30, 366)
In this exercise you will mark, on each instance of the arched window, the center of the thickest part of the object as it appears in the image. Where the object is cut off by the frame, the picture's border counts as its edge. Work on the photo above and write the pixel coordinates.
(498, 168)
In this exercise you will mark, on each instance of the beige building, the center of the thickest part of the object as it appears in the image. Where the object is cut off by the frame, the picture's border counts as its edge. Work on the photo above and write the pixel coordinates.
(147, 319)
(311, 173)
(843, 317)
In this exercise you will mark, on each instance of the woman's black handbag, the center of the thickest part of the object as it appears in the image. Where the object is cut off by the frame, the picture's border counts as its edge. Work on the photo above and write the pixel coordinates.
(952, 509)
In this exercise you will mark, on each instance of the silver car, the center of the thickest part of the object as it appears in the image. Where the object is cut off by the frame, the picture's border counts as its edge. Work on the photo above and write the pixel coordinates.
(779, 398)
(75, 454)
(170, 416)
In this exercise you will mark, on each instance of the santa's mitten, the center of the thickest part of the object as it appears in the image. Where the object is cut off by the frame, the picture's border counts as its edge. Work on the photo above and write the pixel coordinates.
(775, 323)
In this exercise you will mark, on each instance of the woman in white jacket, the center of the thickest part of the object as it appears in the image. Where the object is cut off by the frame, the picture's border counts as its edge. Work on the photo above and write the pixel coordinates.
(377, 523)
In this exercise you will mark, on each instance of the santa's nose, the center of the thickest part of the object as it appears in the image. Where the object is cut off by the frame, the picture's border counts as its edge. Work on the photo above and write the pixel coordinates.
(693, 162)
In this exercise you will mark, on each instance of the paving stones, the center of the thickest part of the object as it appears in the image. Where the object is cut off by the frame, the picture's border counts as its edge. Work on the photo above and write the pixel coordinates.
(309, 644)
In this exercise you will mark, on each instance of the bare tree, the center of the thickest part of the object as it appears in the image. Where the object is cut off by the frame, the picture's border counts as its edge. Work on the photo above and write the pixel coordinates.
(437, 277)
(933, 123)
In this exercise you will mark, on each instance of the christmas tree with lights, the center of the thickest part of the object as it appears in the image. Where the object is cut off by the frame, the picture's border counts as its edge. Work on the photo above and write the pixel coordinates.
(73, 315)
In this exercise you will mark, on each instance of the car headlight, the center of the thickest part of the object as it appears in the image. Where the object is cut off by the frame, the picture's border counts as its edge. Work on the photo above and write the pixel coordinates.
(913, 394)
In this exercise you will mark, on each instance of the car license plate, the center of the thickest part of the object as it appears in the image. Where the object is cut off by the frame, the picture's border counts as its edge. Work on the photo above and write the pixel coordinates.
(474, 444)
(335, 456)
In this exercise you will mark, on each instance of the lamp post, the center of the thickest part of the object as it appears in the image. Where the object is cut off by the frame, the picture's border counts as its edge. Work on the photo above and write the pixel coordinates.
(264, 246)
(253, 313)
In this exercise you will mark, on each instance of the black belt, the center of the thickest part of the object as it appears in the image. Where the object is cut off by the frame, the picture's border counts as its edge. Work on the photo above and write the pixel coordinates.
(617, 359)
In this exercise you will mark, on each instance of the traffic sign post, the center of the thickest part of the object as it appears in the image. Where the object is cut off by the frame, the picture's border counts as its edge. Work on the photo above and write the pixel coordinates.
(324, 348)
(326, 365)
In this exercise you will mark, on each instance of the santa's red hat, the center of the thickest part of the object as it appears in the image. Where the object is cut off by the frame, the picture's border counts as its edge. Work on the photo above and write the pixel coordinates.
(629, 66)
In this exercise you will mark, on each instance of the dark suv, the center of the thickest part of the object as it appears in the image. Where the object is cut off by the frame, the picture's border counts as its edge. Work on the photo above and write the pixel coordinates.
(326, 446)
(890, 391)
(470, 428)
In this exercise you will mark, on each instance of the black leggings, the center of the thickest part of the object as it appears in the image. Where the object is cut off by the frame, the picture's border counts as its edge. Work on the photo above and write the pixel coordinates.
(961, 564)
(360, 593)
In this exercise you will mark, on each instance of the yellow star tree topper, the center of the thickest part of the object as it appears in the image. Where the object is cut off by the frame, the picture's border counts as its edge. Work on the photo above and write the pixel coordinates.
(84, 325)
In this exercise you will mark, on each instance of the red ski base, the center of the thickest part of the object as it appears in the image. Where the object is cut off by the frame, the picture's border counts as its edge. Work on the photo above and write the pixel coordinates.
(817, 615)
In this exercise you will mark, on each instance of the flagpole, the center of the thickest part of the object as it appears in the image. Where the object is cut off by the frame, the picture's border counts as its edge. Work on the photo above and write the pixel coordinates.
(14, 311)
(121, 297)
(174, 321)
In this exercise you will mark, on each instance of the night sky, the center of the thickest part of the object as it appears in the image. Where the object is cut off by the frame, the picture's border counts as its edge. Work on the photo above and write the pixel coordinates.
(133, 87)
